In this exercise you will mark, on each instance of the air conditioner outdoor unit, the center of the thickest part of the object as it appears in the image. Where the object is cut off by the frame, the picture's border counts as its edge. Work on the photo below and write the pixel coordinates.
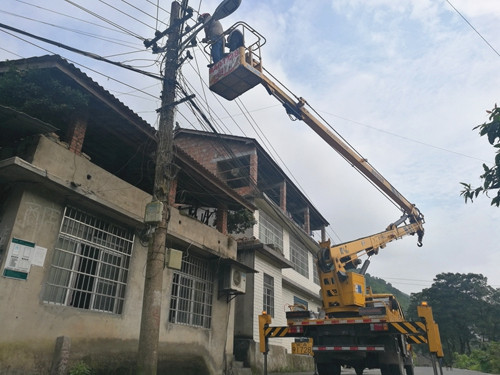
(234, 280)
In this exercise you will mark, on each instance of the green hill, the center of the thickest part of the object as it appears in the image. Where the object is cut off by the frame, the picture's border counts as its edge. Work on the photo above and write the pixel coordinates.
(381, 286)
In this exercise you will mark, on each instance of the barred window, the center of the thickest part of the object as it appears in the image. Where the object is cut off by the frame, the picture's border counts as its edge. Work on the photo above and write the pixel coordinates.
(192, 293)
(269, 231)
(315, 274)
(299, 257)
(90, 265)
(268, 305)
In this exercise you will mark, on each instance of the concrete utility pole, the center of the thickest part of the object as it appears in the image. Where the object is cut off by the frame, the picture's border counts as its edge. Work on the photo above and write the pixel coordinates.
(147, 361)
(164, 173)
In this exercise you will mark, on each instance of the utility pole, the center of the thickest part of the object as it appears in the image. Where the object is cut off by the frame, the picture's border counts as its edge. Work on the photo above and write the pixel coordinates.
(164, 173)
(147, 361)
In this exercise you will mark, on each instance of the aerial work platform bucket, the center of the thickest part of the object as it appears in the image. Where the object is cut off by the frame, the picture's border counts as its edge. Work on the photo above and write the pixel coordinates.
(239, 70)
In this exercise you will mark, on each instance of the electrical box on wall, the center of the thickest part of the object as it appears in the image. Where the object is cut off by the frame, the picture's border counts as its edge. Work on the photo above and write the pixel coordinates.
(233, 281)
(153, 212)
(174, 259)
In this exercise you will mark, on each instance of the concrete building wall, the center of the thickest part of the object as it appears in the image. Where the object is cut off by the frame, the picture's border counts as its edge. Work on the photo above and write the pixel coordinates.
(284, 293)
(29, 326)
(306, 282)
(208, 152)
(90, 180)
(246, 304)
(264, 267)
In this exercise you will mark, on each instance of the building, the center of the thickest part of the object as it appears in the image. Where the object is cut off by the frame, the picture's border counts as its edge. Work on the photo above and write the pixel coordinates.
(73, 242)
(279, 246)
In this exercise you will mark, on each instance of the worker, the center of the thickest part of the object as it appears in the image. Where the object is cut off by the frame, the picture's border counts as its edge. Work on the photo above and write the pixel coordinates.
(213, 34)
(235, 40)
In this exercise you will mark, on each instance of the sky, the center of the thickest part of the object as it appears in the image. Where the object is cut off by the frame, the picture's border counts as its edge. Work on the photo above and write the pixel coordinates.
(403, 81)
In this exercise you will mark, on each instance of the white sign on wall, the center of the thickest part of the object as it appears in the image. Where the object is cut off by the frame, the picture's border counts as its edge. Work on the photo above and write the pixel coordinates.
(19, 259)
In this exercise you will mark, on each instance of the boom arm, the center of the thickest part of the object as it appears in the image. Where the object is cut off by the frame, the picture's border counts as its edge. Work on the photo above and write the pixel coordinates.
(342, 291)
(242, 69)
(297, 109)
(345, 256)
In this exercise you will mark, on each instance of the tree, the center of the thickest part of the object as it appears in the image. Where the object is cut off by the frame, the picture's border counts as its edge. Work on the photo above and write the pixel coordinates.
(239, 221)
(464, 306)
(491, 176)
(41, 94)
(381, 286)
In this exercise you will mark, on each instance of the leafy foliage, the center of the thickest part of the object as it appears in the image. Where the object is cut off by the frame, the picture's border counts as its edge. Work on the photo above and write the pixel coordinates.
(491, 176)
(485, 359)
(80, 368)
(381, 286)
(239, 221)
(40, 94)
(467, 310)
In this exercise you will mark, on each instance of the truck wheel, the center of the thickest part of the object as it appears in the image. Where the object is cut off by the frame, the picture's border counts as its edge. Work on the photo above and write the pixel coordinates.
(400, 367)
(359, 370)
(409, 370)
(328, 369)
(391, 370)
(385, 370)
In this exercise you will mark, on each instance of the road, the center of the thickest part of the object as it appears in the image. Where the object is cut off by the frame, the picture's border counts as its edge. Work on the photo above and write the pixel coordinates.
(418, 371)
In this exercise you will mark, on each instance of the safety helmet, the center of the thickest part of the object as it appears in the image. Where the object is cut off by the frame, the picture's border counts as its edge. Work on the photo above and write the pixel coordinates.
(203, 16)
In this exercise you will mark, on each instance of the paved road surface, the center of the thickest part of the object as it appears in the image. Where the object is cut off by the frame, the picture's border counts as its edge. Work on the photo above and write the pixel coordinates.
(418, 371)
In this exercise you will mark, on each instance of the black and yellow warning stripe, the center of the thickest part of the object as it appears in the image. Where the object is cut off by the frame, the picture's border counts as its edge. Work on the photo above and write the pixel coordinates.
(276, 331)
(414, 331)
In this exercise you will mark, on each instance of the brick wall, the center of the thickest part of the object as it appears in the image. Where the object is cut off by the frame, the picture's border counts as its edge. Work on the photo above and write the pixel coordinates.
(76, 135)
(208, 151)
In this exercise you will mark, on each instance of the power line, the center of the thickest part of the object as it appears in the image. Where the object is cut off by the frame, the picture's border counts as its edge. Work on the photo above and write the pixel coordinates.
(107, 21)
(403, 137)
(473, 28)
(145, 13)
(76, 31)
(76, 63)
(126, 14)
(265, 142)
(13, 53)
(72, 17)
(76, 50)
(378, 130)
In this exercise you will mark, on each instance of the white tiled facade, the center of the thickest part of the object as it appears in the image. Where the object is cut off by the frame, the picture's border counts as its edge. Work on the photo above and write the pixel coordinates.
(284, 292)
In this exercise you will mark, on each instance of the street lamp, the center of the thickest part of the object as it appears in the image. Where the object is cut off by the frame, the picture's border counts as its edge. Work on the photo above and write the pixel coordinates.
(225, 9)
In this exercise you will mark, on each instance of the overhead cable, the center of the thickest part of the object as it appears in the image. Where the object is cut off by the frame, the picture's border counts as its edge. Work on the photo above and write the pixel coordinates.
(473, 28)
(106, 20)
(83, 66)
(76, 31)
(75, 18)
(81, 52)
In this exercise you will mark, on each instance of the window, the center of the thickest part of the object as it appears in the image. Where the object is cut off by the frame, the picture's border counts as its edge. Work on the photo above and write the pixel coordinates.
(192, 293)
(269, 231)
(300, 301)
(235, 171)
(315, 274)
(90, 265)
(268, 305)
(299, 257)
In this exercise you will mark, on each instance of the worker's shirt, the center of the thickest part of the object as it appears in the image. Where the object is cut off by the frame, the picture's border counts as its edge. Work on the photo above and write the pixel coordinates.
(213, 30)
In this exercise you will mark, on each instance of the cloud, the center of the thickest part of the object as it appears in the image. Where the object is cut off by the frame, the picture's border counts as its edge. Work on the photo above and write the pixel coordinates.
(403, 81)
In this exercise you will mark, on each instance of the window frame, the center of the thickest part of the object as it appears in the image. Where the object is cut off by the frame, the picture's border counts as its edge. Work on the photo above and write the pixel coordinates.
(268, 294)
(90, 264)
(192, 293)
(299, 256)
(270, 232)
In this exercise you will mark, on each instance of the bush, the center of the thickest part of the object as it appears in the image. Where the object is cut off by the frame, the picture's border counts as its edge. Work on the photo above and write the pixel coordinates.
(486, 359)
(80, 368)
